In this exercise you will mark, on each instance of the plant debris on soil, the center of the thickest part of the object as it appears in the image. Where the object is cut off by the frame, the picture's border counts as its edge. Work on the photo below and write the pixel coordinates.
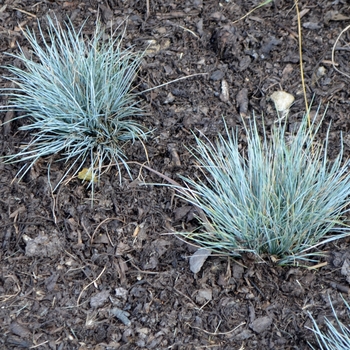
(112, 275)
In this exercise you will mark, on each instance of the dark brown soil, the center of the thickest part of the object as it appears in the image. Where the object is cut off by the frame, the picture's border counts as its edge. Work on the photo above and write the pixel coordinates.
(110, 277)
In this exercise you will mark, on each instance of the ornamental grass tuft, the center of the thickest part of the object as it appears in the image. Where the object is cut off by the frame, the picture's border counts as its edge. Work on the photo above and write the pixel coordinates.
(76, 96)
(280, 198)
(337, 336)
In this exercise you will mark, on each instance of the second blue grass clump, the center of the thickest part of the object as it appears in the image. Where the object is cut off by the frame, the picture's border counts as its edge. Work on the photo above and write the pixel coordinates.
(281, 198)
(77, 95)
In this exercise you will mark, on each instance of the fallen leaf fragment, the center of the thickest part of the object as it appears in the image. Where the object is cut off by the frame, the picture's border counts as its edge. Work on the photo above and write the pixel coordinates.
(198, 258)
(334, 16)
(86, 175)
(261, 324)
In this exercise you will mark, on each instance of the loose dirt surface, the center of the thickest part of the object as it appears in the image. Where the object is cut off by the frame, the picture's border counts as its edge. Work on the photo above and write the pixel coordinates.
(111, 277)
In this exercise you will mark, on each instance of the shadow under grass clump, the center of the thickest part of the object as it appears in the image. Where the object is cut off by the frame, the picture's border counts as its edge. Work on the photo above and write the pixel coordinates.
(282, 198)
(78, 99)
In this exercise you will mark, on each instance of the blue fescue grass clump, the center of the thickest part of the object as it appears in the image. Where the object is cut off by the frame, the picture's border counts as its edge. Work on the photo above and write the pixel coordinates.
(337, 336)
(281, 197)
(77, 96)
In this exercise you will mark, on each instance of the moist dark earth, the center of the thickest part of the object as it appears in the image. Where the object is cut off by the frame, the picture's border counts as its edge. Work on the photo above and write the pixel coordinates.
(114, 276)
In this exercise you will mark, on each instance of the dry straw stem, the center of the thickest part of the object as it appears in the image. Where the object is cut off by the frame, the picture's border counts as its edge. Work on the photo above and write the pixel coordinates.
(251, 11)
(333, 51)
(88, 285)
(301, 60)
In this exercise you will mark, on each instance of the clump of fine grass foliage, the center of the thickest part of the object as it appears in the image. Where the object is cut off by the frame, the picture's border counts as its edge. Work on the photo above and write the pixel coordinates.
(281, 197)
(76, 96)
(337, 336)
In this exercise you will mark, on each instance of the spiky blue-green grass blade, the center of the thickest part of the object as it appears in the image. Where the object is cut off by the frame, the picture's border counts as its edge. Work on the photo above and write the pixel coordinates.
(282, 198)
(77, 97)
(337, 336)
